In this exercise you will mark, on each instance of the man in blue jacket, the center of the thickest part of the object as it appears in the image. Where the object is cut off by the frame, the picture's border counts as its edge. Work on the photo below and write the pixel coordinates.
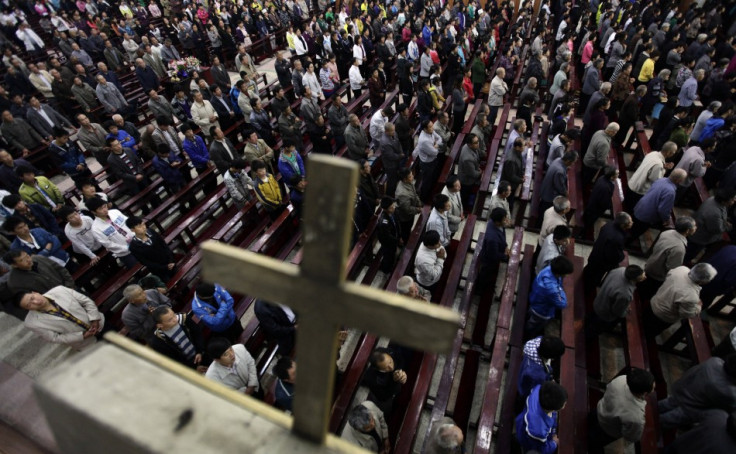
(536, 426)
(214, 307)
(536, 364)
(547, 295)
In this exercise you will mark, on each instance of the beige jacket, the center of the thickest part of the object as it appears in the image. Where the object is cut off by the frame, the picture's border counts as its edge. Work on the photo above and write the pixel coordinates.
(650, 170)
(201, 114)
(38, 81)
(59, 330)
(365, 440)
(678, 298)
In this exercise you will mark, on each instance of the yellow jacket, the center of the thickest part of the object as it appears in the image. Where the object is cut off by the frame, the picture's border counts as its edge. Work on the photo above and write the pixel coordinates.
(268, 192)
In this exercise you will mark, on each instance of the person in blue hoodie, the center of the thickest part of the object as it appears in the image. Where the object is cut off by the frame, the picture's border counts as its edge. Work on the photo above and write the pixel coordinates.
(36, 241)
(214, 307)
(547, 295)
(536, 364)
(536, 426)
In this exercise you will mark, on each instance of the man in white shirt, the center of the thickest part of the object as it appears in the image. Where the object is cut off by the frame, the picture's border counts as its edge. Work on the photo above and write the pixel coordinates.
(110, 231)
(356, 79)
(79, 231)
(378, 124)
(300, 44)
(438, 219)
(232, 366)
(430, 260)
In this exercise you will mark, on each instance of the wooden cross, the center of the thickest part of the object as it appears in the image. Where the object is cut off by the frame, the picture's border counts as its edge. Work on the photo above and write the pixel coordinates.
(320, 295)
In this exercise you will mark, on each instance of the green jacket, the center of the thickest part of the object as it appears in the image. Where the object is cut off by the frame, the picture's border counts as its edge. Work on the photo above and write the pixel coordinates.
(478, 71)
(32, 195)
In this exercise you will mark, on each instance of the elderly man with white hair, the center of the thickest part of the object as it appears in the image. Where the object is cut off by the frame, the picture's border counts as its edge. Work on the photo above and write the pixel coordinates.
(367, 428)
(445, 437)
(678, 298)
(406, 286)
(594, 98)
(597, 155)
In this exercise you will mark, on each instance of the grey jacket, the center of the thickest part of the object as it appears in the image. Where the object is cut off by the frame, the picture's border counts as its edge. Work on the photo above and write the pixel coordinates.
(705, 387)
(41, 125)
(409, 203)
(391, 152)
(237, 186)
(592, 81)
(338, 119)
(667, 254)
(597, 155)
(357, 142)
(86, 96)
(711, 218)
(161, 108)
(614, 297)
(469, 166)
(290, 128)
(137, 318)
(46, 275)
(20, 135)
(110, 97)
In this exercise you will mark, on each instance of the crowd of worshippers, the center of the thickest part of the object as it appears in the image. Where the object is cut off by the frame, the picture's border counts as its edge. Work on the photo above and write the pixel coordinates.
(636, 62)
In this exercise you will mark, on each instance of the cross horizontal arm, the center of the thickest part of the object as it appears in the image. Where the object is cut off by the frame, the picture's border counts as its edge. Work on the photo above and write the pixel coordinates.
(419, 325)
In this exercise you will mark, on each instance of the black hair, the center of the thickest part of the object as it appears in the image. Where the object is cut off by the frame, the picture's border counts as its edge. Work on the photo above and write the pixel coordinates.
(552, 397)
(498, 214)
(12, 222)
(65, 211)
(205, 290)
(640, 381)
(10, 201)
(633, 272)
(10, 256)
(561, 266)
(22, 170)
(386, 202)
(431, 238)
(404, 172)
(439, 201)
(551, 347)
(133, 221)
(281, 369)
(94, 203)
(217, 346)
(561, 232)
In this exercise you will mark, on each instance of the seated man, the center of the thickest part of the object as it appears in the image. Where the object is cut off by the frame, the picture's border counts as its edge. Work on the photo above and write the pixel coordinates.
(621, 411)
(232, 366)
(35, 241)
(137, 314)
(536, 426)
(407, 287)
(285, 372)
(716, 434)
(445, 437)
(33, 214)
(384, 378)
(279, 324)
(62, 316)
(178, 337)
(150, 249)
(367, 428)
(214, 307)
(708, 386)
(39, 190)
(536, 364)
(34, 273)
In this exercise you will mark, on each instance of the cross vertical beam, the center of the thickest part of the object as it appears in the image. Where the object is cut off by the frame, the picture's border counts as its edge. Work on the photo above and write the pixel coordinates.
(327, 230)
